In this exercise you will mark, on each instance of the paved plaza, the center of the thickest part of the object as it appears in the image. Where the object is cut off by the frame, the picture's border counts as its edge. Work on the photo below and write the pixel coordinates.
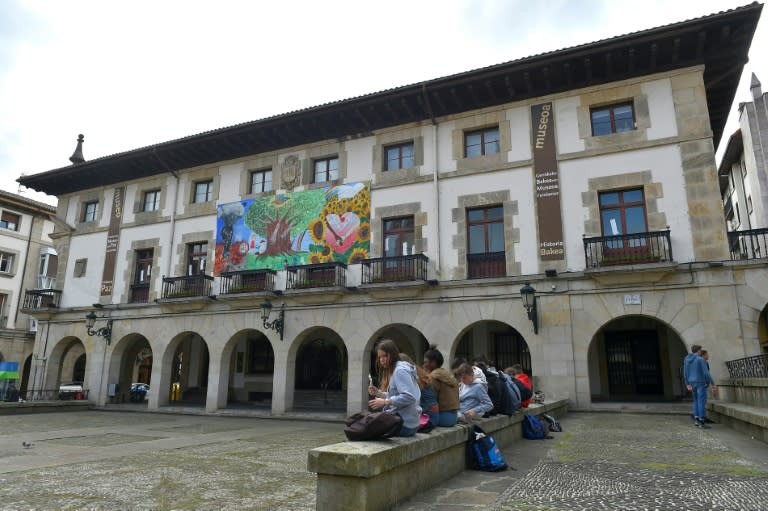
(133, 460)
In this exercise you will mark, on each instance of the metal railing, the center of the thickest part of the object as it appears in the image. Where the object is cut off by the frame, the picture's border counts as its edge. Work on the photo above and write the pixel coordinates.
(491, 264)
(41, 299)
(749, 367)
(139, 293)
(187, 287)
(751, 244)
(316, 275)
(247, 281)
(44, 395)
(394, 269)
(638, 248)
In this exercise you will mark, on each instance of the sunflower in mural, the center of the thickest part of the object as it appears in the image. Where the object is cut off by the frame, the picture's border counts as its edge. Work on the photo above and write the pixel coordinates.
(364, 233)
(358, 254)
(317, 229)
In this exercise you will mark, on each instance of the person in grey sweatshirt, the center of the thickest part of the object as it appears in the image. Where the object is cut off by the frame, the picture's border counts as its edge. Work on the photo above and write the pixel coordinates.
(697, 380)
(402, 395)
(473, 398)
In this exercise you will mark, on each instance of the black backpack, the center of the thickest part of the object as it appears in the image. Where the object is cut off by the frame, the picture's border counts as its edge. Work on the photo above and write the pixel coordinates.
(371, 426)
(503, 393)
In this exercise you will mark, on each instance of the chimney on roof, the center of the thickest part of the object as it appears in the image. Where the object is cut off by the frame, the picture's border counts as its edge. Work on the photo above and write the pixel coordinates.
(754, 86)
(77, 156)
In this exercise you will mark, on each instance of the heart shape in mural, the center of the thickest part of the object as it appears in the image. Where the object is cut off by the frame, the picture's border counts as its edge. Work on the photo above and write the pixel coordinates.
(342, 231)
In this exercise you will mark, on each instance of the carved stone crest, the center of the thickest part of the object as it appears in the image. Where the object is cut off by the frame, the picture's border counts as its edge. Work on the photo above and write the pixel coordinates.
(289, 172)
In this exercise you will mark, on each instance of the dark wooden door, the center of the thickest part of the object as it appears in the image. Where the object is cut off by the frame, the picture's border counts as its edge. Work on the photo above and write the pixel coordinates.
(633, 363)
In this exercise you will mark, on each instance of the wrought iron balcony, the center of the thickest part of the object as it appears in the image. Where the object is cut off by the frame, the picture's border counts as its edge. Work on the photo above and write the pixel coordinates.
(316, 275)
(394, 269)
(751, 244)
(638, 248)
(37, 299)
(482, 266)
(247, 281)
(187, 287)
(748, 367)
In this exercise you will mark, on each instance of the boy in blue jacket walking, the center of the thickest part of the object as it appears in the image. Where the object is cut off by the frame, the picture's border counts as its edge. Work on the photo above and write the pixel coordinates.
(698, 379)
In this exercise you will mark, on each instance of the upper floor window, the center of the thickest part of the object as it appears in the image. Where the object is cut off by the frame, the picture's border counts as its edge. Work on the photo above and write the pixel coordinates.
(49, 265)
(481, 142)
(400, 156)
(151, 201)
(141, 278)
(612, 119)
(6, 262)
(485, 242)
(623, 212)
(203, 191)
(10, 221)
(261, 181)
(196, 256)
(398, 236)
(326, 169)
(90, 210)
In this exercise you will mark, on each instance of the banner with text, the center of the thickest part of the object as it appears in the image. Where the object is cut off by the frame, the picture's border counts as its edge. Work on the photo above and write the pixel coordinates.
(113, 236)
(551, 246)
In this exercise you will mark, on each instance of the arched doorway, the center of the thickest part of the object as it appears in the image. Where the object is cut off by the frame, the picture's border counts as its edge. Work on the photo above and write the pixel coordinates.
(251, 370)
(636, 358)
(321, 372)
(499, 342)
(25, 375)
(186, 361)
(762, 329)
(133, 357)
(408, 339)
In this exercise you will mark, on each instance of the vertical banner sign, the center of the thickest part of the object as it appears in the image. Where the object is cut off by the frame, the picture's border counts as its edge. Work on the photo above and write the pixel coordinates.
(113, 236)
(551, 246)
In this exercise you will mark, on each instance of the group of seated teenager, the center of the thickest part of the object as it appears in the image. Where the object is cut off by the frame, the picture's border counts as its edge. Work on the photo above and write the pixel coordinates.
(445, 396)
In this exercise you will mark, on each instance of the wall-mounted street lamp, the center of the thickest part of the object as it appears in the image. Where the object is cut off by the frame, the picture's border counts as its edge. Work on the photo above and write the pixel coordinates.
(105, 331)
(529, 302)
(276, 324)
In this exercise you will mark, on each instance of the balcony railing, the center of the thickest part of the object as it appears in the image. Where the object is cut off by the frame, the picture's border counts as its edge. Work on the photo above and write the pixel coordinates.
(749, 367)
(187, 287)
(638, 248)
(394, 269)
(41, 299)
(247, 281)
(751, 244)
(482, 266)
(316, 275)
(139, 293)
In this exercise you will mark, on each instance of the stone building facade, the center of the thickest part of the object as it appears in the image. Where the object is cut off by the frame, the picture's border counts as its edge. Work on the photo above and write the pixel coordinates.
(588, 173)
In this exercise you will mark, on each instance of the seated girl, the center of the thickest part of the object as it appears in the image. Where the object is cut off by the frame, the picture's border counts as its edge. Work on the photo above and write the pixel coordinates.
(473, 398)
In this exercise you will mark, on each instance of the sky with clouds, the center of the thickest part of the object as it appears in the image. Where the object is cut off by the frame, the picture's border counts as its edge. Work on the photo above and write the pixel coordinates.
(131, 74)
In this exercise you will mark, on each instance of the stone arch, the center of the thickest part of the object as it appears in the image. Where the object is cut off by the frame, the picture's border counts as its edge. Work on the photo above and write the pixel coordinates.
(130, 362)
(25, 374)
(247, 369)
(762, 329)
(318, 363)
(67, 356)
(183, 371)
(409, 340)
(500, 342)
(636, 358)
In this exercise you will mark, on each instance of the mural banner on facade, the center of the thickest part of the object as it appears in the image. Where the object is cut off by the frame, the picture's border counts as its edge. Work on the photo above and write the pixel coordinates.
(551, 246)
(307, 227)
(113, 239)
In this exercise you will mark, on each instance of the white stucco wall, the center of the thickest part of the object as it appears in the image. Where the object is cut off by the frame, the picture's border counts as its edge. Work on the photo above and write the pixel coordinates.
(661, 108)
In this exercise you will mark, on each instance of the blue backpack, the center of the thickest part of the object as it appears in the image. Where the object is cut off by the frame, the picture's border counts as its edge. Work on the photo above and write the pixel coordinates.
(484, 453)
(533, 428)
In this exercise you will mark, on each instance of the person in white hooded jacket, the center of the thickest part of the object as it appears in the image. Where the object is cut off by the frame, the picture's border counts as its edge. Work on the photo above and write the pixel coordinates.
(402, 395)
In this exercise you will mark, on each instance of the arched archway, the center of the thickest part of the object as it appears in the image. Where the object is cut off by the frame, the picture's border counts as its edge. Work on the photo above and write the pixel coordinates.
(131, 363)
(636, 358)
(320, 378)
(25, 375)
(184, 372)
(500, 342)
(67, 363)
(249, 369)
(408, 339)
(762, 329)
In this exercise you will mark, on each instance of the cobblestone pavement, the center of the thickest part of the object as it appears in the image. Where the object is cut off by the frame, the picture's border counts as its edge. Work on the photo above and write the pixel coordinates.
(640, 462)
(106, 460)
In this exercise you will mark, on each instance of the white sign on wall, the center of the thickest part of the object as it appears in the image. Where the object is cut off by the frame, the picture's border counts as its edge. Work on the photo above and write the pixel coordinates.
(632, 300)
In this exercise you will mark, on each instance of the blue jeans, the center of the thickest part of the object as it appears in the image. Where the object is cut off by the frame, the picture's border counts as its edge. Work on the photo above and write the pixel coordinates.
(407, 431)
(699, 400)
(443, 419)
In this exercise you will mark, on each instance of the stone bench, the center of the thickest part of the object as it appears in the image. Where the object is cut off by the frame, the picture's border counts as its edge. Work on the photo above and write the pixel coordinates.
(752, 420)
(14, 408)
(376, 475)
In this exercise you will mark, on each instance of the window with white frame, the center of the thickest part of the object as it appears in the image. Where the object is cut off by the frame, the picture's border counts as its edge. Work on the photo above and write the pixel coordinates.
(203, 192)
(326, 169)
(261, 181)
(90, 210)
(10, 221)
(6, 262)
(151, 201)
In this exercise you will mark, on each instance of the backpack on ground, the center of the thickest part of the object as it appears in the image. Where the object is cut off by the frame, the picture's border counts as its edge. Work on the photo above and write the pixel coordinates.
(372, 426)
(553, 424)
(484, 453)
(534, 429)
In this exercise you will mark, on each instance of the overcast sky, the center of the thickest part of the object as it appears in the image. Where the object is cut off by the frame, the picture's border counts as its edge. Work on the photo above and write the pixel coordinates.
(131, 74)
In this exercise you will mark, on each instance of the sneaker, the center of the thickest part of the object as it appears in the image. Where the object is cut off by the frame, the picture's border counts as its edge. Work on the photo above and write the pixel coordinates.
(707, 420)
(703, 425)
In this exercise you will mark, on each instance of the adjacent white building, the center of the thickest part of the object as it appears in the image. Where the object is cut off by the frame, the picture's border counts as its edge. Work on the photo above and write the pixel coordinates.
(419, 214)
